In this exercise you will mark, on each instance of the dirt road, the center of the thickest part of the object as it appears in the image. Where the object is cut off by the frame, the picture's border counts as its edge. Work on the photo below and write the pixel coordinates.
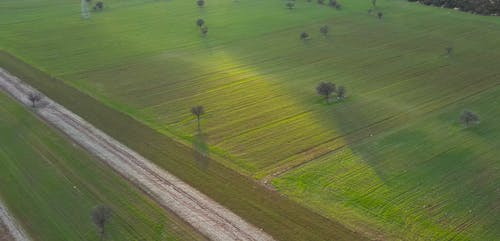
(9, 229)
(204, 214)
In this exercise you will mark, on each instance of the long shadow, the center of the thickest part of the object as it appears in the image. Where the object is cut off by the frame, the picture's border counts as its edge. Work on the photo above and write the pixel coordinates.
(201, 150)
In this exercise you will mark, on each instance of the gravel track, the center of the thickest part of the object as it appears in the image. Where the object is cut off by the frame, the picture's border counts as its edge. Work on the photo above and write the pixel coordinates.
(208, 217)
(15, 232)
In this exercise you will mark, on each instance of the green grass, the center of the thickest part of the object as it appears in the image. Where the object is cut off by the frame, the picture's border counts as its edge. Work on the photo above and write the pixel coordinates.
(51, 186)
(277, 215)
(256, 80)
(431, 179)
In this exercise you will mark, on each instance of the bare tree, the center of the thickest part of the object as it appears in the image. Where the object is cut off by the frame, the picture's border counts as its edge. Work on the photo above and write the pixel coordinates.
(198, 111)
(290, 5)
(200, 3)
(324, 30)
(101, 215)
(468, 117)
(341, 93)
(325, 89)
(304, 36)
(380, 15)
(34, 98)
(200, 22)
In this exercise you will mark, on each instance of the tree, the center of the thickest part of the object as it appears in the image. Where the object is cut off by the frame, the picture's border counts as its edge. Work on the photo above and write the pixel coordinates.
(99, 5)
(380, 15)
(341, 93)
(200, 22)
(374, 3)
(198, 111)
(324, 30)
(449, 50)
(200, 3)
(304, 36)
(321, 2)
(204, 30)
(101, 215)
(468, 117)
(290, 5)
(325, 89)
(34, 98)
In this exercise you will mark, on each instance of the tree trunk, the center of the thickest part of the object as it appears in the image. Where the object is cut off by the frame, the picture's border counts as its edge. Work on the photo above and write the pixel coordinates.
(101, 233)
(198, 118)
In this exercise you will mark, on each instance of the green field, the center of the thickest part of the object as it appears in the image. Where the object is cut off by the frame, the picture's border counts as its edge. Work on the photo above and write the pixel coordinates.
(51, 187)
(391, 160)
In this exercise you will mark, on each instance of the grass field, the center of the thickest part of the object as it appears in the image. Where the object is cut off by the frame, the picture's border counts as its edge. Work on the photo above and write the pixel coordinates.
(370, 159)
(51, 187)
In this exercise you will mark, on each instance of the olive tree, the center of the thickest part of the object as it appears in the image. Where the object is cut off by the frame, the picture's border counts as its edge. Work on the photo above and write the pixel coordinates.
(449, 50)
(200, 3)
(99, 5)
(200, 22)
(304, 36)
(326, 89)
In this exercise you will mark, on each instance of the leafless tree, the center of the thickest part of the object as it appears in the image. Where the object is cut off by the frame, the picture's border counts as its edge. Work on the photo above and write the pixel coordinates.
(198, 111)
(468, 117)
(101, 215)
(34, 98)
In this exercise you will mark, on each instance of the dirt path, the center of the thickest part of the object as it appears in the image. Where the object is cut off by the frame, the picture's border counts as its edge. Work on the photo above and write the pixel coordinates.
(9, 229)
(204, 214)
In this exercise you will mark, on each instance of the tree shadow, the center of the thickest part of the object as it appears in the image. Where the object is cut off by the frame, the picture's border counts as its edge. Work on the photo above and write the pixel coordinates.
(201, 150)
